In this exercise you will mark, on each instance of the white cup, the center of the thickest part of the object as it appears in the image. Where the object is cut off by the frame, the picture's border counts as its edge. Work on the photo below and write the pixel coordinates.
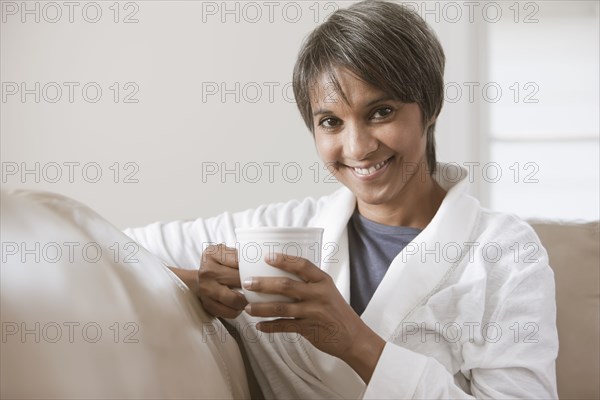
(254, 244)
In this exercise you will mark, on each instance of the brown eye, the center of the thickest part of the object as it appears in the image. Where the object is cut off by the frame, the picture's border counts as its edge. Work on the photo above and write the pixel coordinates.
(329, 122)
(382, 112)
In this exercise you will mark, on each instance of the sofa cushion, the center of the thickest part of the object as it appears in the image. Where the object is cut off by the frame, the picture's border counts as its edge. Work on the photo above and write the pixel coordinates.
(574, 256)
(86, 313)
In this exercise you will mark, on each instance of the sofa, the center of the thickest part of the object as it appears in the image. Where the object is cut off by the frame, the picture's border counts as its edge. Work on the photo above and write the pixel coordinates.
(574, 252)
(86, 313)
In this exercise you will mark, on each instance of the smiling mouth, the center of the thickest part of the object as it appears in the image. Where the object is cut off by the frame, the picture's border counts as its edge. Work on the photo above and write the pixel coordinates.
(371, 170)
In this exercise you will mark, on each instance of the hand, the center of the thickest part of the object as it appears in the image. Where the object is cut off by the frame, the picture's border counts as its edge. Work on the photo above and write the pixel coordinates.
(217, 276)
(320, 314)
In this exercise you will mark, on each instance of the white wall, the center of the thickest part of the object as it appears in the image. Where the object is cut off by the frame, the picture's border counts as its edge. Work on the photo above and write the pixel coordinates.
(176, 130)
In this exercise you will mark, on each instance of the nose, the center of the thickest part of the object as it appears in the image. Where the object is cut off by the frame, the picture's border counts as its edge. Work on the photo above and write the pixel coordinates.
(359, 142)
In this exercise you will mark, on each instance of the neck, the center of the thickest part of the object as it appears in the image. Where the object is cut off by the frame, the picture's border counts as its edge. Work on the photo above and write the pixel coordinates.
(415, 207)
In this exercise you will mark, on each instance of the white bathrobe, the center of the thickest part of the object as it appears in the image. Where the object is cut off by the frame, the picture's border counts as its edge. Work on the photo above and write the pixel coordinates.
(467, 308)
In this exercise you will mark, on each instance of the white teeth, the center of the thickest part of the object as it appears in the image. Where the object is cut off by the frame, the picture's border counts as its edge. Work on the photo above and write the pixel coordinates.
(371, 170)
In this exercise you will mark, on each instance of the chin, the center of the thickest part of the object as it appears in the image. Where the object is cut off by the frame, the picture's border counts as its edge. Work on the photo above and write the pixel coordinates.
(374, 199)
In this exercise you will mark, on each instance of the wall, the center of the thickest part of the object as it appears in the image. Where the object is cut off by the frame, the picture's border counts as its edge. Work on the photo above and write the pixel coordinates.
(188, 91)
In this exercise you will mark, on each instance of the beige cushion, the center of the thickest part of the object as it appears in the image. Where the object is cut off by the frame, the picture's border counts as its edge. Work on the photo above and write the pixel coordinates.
(574, 256)
(100, 324)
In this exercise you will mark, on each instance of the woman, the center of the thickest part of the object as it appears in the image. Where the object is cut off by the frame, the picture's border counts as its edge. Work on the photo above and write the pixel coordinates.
(428, 295)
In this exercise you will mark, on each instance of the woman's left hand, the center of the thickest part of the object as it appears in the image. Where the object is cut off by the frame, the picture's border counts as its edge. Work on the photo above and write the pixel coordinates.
(319, 313)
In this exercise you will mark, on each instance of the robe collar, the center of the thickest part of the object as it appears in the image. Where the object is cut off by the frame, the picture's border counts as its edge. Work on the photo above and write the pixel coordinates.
(413, 276)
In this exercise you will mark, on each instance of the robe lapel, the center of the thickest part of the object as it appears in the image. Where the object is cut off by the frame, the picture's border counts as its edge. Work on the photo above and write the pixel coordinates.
(410, 279)
(336, 374)
(417, 272)
(334, 258)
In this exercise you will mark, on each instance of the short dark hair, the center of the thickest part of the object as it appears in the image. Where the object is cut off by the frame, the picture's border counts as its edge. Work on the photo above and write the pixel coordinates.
(384, 44)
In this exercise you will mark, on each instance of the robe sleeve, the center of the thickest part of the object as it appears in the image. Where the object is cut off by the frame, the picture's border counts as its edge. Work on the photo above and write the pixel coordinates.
(181, 243)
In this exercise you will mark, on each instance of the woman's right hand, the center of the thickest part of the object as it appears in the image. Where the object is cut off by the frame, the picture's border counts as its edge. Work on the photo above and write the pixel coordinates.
(218, 277)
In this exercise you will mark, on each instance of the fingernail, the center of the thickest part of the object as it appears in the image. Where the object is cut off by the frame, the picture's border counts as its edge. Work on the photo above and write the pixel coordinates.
(248, 283)
(248, 308)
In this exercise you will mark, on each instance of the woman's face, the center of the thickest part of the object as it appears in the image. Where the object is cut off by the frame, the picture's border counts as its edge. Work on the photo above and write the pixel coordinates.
(374, 145)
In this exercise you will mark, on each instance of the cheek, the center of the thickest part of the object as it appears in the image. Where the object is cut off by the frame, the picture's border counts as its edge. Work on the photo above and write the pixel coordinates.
(395, 140)
(404, 140)
(326, 147)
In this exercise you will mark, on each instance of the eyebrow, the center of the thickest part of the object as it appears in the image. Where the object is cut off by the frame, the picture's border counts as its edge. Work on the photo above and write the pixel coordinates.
(322, 111)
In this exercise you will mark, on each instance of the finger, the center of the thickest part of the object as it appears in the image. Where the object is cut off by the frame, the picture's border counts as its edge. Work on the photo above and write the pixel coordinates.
(211, 271)
(296, 265)
(222, 254)
(283, 310)
(222, 294)
(229, 277)
(218, 309)
(230, 298)
(297, 290)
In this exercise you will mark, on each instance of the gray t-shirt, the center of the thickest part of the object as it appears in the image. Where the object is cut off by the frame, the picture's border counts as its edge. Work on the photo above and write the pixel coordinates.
(372, 247)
